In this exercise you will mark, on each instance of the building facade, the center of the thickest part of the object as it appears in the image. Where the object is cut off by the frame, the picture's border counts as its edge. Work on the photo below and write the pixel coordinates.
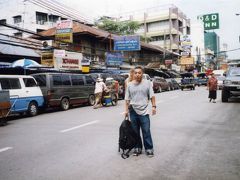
(26, 15)
(162, 26)
(212, 42)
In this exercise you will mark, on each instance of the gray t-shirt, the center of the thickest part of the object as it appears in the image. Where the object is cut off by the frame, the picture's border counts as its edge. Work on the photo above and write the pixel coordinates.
(139, 95)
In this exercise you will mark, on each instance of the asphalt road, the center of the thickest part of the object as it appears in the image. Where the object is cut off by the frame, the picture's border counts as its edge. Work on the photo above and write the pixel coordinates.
(193, 140)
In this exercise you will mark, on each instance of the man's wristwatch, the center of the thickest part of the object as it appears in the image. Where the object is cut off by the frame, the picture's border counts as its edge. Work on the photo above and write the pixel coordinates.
(154, 106)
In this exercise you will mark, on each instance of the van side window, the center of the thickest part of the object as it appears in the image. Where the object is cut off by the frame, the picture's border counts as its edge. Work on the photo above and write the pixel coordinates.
(29, 82)
(77, 80)
(89, 80)
(57, 81)
(41, 79)
(11, 83)
(66, 80)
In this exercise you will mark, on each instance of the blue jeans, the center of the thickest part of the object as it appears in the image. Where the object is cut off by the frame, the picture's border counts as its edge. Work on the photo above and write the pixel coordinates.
(143, 122)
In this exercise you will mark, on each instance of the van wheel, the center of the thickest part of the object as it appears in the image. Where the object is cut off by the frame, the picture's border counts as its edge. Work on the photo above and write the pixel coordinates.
(91, 100)
(225, 95)
(32, 109)
(65, 104)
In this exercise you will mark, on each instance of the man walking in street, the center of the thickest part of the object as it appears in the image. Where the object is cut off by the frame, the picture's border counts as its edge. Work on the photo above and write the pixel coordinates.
(138, 93)
(212, 87)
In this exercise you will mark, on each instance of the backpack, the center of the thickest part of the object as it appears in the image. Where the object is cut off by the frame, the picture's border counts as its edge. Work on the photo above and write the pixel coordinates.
(127, 138)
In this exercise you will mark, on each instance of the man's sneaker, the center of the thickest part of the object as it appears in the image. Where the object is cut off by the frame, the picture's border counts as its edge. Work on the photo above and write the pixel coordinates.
(214, 101)
(137, 151)
(149, 153)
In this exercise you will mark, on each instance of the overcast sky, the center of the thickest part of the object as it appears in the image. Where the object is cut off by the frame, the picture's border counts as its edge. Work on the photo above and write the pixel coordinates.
(229, 31)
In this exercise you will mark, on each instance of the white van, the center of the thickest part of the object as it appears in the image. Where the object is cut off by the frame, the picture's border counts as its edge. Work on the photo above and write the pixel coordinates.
(25, 95)
(218, 72)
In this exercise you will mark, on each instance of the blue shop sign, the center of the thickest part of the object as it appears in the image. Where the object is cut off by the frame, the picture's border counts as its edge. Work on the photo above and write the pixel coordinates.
(114, 59)
(127, 43)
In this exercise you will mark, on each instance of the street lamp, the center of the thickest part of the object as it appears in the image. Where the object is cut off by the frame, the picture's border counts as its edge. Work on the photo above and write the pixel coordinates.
(238, 14)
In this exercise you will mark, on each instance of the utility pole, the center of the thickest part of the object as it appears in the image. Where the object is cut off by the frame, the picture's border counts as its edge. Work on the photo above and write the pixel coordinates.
(164, 45)
(145, 27)
(110, 42)
(170, 27)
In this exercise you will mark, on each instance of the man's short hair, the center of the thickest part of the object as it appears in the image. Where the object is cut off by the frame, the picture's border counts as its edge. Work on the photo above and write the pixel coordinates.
(139, 67)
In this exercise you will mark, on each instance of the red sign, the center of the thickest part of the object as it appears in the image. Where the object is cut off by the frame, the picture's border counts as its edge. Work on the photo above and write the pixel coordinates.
(64, 24)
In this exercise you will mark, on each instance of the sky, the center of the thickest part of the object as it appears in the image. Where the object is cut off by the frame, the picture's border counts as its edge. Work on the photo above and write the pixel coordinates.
(229, 31)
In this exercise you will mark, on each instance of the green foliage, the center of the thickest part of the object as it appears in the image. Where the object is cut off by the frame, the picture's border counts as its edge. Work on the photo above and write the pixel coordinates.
(118, 27)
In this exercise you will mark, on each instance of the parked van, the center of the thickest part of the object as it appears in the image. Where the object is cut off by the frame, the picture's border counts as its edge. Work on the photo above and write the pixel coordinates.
(219, 72)
(65, 89)
(25, 95)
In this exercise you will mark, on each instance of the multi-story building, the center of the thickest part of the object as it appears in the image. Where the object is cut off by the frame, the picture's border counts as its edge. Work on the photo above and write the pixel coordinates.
(27, 16)
(212, 41)
(34, 16)
(162, 26)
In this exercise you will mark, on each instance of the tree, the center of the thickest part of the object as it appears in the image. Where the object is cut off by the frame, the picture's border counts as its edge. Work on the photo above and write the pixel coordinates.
(117, 27)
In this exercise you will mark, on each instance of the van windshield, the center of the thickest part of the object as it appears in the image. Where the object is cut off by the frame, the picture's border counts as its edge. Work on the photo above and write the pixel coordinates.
(234, 72)
(41, 80)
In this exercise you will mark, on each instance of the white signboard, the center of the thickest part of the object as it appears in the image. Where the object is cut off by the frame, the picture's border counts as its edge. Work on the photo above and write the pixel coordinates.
(71, 61)
(59, 53)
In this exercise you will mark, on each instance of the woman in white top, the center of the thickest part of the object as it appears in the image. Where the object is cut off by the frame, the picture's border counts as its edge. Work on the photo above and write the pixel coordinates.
(130, 77)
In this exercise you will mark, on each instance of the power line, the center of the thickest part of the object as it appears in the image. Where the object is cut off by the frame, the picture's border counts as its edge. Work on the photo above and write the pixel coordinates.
(71, 10)
(60, 10)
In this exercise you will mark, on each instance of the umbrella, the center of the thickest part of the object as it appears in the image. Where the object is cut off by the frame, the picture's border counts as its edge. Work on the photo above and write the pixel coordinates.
(25, 63)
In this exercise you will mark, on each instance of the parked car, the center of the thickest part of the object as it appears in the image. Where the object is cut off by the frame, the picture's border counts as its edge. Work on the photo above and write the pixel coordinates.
(160, 84)
(231, 85)
(173, 84)
(25, 94)
(220, 80)
(219, 72)
(65, 89)
(202, 79)
(187, 81)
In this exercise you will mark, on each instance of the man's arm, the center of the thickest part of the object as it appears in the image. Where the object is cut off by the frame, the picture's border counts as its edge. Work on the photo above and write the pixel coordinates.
(127, 102)
(154, 107)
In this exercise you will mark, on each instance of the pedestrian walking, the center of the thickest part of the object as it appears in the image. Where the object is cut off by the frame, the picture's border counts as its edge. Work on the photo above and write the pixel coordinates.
(130, 77)
(100, 87)
(212, 87)
(138, 93)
